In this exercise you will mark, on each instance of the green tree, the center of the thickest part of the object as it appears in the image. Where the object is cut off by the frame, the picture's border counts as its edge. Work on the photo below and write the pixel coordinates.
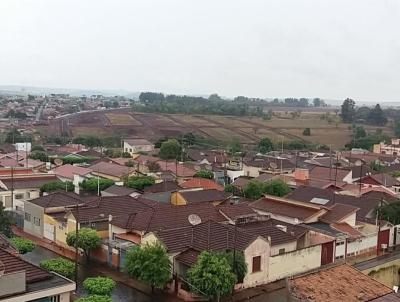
(23, 245)
(150, 264)
(57, 185)
(39, 155)
(307, 132)
(60, 266)
(170, 149)
(377, 116)
(265, 145)
(237, 264)
(276, 187)
(95, 298)
(397, 128)
(92, 184)
(204, 174)
(139, 182)
(102, 286)
(211, 276)
(5, 222)
(390, 212)
(359, 132)
(254, 189)
(348, 110)
(88, 239)
(37, 148)
(235, 146)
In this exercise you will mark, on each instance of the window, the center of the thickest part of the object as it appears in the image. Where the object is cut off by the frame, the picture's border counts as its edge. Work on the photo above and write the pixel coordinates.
(256, 264)
(339, 257)
(281, 251)
(19, 196)
(339, 243)
(27, 217)
(36, 221)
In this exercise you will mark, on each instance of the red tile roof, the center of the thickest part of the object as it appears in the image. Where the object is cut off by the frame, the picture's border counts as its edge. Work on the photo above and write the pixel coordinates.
(204, 195)
(68, 171)
(28, 181)
(202, 183)
(339, 212)
(111, 169)
(339, 283)
(284, 207)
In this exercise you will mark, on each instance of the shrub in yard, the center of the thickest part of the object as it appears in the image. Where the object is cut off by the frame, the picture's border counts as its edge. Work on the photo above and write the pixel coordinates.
(60, 266)
(99, 286)
(23, 245)
(95, 298)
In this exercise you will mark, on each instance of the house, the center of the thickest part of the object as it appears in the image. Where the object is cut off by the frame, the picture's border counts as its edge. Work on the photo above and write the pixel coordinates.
(44, 217)
(338, 283)
(22, 281)
(208, 157)
(195, 196)
(203, 183)
(391, 149)
(24, 187)
(382, 179)
(111, 171)
(254, 166)
(179, 170)
(135, 145)
(67, 172)
(116, 190)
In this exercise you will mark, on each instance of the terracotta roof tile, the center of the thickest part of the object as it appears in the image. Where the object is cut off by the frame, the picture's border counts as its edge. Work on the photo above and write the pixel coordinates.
(206, 184)
(68, 171)
(339, 283)
(204, 195)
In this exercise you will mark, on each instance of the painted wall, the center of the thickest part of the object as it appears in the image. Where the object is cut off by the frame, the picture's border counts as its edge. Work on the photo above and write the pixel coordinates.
(351, 220)
(259, 247)
(289, 264)
(177, 199)
(289, 246)
(37, 212)
(386, 273)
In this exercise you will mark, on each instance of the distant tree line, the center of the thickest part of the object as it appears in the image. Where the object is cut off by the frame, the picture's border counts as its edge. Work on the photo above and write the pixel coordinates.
(373, 116)
(214, 104)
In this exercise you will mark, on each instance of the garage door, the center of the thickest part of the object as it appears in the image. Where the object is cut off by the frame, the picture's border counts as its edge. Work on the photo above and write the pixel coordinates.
(49, 231)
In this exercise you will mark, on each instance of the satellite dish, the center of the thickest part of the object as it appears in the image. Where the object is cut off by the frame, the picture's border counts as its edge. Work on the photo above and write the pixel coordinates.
(273, 165)
(194, 219)
(2, 269)
(58, 162)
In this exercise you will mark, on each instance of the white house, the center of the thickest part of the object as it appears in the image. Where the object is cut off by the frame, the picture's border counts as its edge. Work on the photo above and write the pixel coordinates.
(135, 145)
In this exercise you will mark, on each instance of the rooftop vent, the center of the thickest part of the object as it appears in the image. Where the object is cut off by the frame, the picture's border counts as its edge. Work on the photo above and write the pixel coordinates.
(194, 219)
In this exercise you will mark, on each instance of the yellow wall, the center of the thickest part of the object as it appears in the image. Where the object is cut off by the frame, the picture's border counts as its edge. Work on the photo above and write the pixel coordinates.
(177, 199)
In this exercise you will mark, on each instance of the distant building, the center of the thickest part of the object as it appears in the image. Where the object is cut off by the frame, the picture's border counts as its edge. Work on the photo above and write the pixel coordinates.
(135, 145)
(391, 149)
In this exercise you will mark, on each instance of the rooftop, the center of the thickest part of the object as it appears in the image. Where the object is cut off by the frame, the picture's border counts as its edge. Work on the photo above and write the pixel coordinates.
(68, 171)
(339, 283)
(204, 195)
(199, 182)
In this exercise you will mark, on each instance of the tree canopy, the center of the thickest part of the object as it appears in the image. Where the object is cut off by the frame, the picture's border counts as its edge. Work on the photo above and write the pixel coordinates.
(139, 182)
(59, 265)
(204, 174)
(170, 149)
(92, 184)
(265, 145)
(23, 245)
(87, 240)
(211, 276)
(57, 185)
(255, 189)
(5, 222)
(348, 110)
(149, 263)
(102, 286)
(377, 116)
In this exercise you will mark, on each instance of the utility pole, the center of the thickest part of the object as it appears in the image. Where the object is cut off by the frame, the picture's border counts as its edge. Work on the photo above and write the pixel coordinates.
(12, 188)
(76, 242)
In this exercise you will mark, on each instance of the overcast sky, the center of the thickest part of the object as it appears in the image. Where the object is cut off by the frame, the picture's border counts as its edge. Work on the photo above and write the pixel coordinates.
(269, 48)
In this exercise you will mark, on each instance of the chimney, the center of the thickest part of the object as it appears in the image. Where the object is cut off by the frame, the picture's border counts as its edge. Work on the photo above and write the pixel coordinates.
(301, 174)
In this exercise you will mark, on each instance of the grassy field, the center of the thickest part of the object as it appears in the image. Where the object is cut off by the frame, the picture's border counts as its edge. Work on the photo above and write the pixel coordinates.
(325, 128)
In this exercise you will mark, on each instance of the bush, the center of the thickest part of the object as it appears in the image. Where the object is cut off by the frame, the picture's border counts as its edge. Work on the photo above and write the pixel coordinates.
(60, 266)
(23, 245)
(99, 286)
(307, 132)
(95, 298)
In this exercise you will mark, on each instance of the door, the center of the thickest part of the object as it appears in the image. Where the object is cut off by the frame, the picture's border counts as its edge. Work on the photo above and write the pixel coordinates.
(327, 253)
(383, 239)
(49, 232)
